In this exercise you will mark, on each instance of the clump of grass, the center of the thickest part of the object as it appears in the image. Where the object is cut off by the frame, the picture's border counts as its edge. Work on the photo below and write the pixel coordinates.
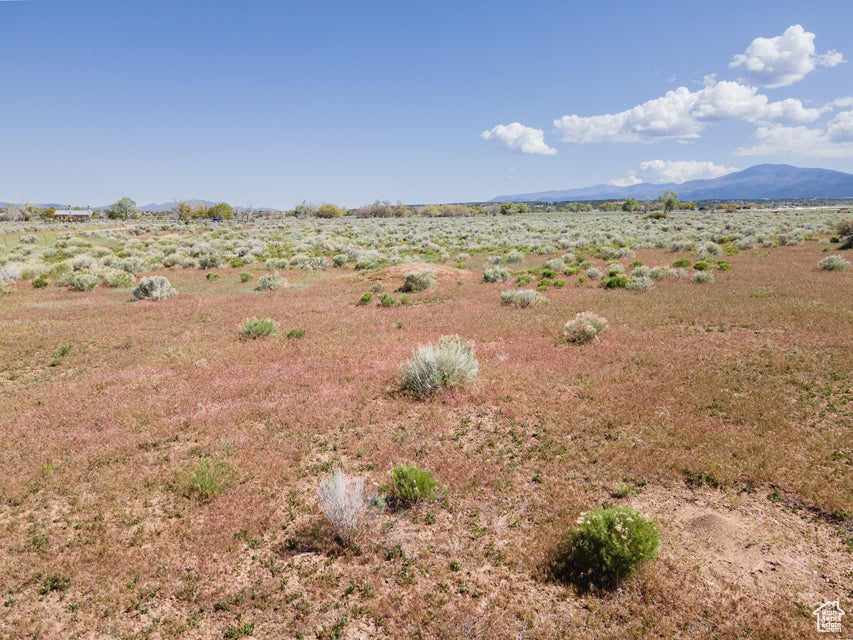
(296, 333)
(607, 546)
(258, 327)
(447, 364)
(365, 298)
(245, 277)
(386, 300)
(206, 481)
(269, 282)
(834, 263)
(496, 274)
(681, 263)
(585, 326)
(40, 282)
(410, 485)
(154, 288)
(702, 277)
(418, 281)
(342, 500)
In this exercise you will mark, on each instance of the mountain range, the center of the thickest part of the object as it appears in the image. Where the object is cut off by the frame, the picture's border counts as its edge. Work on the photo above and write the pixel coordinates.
(761, 182)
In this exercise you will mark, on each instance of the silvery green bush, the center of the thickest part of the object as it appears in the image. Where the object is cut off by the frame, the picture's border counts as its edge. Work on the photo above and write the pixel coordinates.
(447, 364)
(154, 288)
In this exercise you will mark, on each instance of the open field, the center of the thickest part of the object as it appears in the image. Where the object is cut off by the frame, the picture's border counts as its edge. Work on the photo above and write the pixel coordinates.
(723, 410)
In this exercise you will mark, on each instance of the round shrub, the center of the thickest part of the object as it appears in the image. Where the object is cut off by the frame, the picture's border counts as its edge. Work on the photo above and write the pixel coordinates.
(496, 274)
(154, 288)
(258, 327)
(418, 281)
(833, 263)
(80, 281)
(584, 327)
(640, 283)
(703, 277)
(607, 546)
(269, 282)
(447, 364)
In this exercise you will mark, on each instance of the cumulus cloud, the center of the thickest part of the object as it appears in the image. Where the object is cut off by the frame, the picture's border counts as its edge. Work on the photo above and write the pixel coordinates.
(683, 114)
(516, 137)
(783, 60)
(678, 171)
(835, 140)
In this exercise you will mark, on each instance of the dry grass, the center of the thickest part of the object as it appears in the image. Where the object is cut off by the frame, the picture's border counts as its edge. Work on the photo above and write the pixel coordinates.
(739, 386)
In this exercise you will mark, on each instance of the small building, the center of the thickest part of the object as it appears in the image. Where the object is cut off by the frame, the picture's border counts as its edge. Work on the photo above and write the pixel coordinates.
(74, 215)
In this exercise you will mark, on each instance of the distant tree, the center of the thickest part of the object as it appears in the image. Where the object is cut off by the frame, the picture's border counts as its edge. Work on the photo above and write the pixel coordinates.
(305, 209)
(221, 210)
(507, 207)
(669, 200)
(630, 205)
(122, 209)
(182, 210)
(329, 210)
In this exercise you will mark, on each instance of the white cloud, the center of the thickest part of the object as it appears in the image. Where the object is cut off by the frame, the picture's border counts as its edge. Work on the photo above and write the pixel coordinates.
(678, 171)
(516, 137)
(683, 114)
(835, 140)
(783, 60)
(627, 181)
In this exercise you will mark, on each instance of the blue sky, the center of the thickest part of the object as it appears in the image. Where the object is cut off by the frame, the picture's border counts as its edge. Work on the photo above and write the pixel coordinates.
(263, 103)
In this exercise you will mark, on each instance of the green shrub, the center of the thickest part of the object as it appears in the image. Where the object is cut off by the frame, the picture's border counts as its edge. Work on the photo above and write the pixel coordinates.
(154, 288)
(296, 333)
(212, 276)
(340, 259)
(607, 546)
(418, 281)
(40, 282)
(844, 228)
(81, 281)
(833, 263)
(258, 327)
(245, 277)
(724, 265)
(117, 279)
(496, 274)
(701, 266)
(238, 262)
(615, 282)
(681, 263)
(523, 280)
(365, 298)
(386, 300)
(410, 485)
(584, 327)
(702, 277)
(448, 364)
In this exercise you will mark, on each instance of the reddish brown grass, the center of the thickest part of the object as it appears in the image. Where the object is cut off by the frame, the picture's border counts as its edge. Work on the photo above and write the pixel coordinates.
(742, 385)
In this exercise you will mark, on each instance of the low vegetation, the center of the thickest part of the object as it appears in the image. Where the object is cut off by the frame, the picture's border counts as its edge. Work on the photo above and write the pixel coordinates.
(585, 326)
(258, 327)
(447, 364)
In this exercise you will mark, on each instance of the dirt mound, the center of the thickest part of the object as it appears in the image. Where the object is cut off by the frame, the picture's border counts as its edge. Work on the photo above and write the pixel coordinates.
(747, 543)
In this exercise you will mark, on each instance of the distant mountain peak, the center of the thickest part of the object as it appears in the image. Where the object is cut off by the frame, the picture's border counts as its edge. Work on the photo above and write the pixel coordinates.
(759, 182)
